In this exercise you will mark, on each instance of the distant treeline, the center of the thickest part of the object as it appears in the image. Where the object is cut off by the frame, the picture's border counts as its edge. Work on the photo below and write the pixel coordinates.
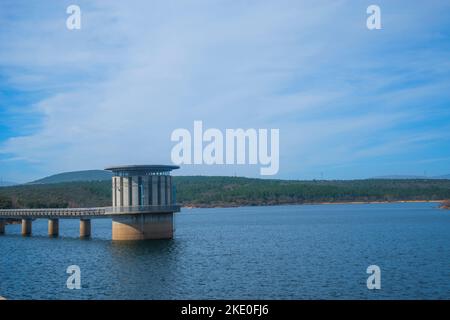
(57, 195)
(203, 191)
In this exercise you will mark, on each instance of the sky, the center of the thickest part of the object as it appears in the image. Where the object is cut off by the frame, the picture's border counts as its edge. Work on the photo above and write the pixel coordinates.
(349, 102)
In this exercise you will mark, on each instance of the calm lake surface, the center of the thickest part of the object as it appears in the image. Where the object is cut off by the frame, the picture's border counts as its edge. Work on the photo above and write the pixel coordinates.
(284, 252)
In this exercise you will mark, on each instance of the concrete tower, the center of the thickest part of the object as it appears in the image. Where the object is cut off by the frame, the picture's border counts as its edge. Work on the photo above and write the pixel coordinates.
(143, 196)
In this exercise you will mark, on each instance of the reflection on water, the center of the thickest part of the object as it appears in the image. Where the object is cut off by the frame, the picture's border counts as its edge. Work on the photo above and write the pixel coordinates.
(286, 252)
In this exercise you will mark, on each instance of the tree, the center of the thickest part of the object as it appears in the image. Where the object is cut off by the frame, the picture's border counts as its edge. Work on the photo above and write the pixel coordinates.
(5, 203)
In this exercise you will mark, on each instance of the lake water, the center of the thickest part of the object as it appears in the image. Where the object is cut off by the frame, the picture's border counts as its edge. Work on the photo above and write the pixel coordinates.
(284, 252)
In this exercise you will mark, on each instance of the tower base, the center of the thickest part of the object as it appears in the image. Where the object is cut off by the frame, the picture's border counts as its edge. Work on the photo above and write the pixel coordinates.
(143, 226)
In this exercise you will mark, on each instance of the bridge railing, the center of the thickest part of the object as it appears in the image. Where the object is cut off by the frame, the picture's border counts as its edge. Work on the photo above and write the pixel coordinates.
(52, 212)
(84, 212)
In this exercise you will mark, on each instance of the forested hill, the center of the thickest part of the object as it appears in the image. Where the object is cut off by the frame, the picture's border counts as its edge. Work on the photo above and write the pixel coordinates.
(74, 176)
(202, 191)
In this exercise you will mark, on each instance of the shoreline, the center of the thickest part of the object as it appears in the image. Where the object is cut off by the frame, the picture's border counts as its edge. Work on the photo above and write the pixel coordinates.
(313, 203)
(445, 205)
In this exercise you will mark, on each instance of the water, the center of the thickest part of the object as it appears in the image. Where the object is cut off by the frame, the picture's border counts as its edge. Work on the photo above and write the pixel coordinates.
(285, 252)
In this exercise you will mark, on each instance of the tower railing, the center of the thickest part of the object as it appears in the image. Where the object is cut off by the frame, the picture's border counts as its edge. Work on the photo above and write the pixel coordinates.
(143, 209)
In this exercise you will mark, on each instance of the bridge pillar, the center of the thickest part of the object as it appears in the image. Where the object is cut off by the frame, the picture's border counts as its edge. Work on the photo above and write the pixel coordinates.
(2, 226)
(143, 226)
(53, 227)
(26, 227)
(85, 228)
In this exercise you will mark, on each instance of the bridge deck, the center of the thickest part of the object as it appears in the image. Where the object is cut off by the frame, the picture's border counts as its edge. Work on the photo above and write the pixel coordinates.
(102, 212)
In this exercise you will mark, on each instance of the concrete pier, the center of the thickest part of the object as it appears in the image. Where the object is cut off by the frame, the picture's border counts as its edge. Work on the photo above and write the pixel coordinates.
(2, 226)
(85, 228)
(143, 226)
(53, 227)
(26, 227)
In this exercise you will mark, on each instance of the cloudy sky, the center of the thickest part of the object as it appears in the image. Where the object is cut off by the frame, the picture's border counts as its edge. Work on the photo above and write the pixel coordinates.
(349, 102)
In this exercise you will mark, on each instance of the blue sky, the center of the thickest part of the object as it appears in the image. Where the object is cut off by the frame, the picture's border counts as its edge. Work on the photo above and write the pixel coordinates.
(349, 102)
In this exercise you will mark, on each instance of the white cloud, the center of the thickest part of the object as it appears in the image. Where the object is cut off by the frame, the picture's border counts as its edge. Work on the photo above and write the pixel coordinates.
(119, 86)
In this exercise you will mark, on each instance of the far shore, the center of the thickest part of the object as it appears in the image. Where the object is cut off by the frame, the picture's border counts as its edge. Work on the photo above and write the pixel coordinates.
(445, 205)
(311, 203)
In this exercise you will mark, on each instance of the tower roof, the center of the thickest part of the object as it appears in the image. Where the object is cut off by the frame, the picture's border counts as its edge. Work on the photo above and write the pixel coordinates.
(142, 168)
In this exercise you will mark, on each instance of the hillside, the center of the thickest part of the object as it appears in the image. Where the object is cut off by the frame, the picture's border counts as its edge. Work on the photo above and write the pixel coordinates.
(6, 183)
(228, 191)
(103, 175)
(57, 195)
(411, 177)
(202, 191)
(86, 175)
(447, 176)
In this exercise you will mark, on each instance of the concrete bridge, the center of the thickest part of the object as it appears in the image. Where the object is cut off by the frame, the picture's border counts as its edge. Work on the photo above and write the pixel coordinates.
(143, 207)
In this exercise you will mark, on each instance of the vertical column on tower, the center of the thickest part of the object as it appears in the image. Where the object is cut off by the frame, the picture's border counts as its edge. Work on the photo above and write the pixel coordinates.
(134, 191)
(146, 191)
(126, 191)
(155, 190)
(114, 192)
(169, 190)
